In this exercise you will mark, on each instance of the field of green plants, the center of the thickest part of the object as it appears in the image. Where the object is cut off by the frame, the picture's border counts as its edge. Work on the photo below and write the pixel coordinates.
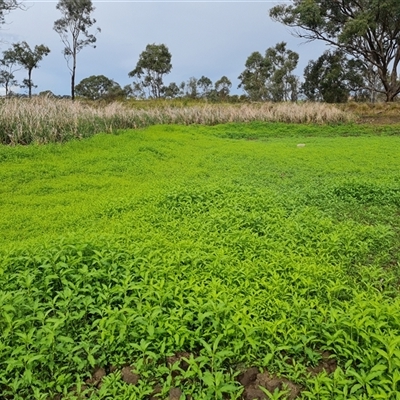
(192, 262)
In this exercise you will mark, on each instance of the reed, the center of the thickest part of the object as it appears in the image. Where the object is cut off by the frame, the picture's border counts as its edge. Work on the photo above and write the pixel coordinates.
(43, 120)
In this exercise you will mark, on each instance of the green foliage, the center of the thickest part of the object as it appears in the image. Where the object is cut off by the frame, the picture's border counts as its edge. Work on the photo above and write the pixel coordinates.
(332, 77)
(171, 91)
(283, 84)
(191, 88)
(97, 87)
(366, 30)
(253, 78)
(222, 88)
(154, 62)
(128, 249)
(28, 58)
(8, 67)
(365, 193)
(205, 85)
(270, 77)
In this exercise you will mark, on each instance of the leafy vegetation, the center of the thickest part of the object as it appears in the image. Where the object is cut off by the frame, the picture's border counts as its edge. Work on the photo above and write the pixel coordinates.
(153, 64)
(97, 87)
(366, 30)
(28, 58)
(270, 77)
(165, 262)
(332, 78)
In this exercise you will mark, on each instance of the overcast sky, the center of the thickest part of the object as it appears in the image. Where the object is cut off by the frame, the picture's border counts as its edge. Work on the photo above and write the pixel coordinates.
(211, 38)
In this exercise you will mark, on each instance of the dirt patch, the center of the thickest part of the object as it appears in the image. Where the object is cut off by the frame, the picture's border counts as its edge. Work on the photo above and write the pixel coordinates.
(175, 394)
(91, 384)
(97, 377)
(247, 377)
(131, 378)
(327, 364)
(128, 376)
(178, 358)
(112, 368)
(252, 380)
(156, 390)
(255, 384)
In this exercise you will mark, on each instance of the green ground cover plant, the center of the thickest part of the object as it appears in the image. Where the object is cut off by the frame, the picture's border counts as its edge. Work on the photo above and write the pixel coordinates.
(219, 262)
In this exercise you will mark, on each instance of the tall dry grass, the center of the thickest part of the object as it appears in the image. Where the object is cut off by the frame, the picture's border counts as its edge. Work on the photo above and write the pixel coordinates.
(42, 120)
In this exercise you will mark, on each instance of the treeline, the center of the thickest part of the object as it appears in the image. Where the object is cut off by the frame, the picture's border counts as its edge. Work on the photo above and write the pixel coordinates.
(332, 78)
(361, 64)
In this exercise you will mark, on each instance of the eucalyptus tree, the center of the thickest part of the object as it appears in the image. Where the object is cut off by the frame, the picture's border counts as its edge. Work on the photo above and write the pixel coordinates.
(171, 91)
(7, 81)
(367, 30)
(222, 87)
(270, 77)
(283, 85)
(97, 87)
(191, 88)
(8, 66)
(205, 86)
(332, 78)
(28, 58)
(154, 62)
(254, 78)
(73, 28)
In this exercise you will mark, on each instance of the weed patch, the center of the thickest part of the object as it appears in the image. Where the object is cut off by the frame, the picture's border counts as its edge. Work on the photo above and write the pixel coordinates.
(190, 263)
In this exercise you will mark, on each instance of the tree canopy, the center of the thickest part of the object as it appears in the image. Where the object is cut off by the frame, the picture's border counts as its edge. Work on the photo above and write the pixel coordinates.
(191, 88)
(368, 30)
(22, 54)
(8, 66)
(205, 86)
(254, 78)
(332, 78)
(154, 62)
(171, 91)
(270, 77)
(222, 88)
(97, 87)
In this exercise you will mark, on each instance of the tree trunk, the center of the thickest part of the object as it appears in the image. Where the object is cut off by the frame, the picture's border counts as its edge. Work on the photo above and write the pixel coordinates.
(390, 96)
(73, 85)
(30, 83)
(73, 76)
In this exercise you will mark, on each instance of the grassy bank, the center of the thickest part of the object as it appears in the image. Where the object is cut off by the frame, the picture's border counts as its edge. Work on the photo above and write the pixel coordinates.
(215, 262)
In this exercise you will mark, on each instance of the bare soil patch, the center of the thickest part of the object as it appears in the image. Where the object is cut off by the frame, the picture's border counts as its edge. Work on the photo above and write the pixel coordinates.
(253, 381)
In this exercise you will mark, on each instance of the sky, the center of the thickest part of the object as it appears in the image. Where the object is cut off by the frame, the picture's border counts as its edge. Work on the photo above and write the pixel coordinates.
(210, 38)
